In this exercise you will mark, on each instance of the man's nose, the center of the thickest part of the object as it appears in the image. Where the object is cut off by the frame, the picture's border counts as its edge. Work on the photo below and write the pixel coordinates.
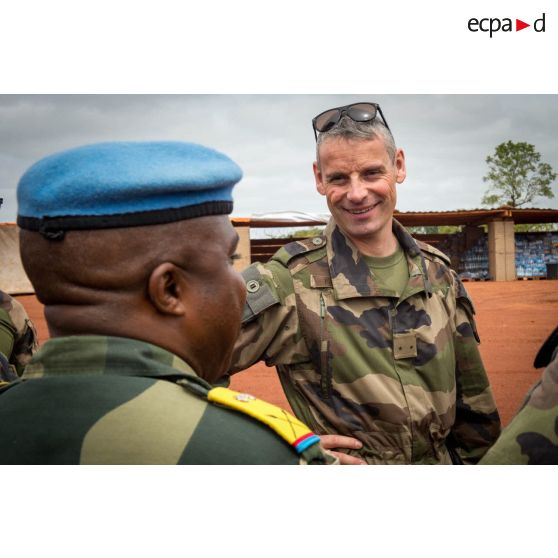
(357, 191)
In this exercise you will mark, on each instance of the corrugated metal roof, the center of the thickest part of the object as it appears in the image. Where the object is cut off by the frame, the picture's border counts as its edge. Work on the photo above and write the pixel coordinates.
(478, 216)
(417, 218)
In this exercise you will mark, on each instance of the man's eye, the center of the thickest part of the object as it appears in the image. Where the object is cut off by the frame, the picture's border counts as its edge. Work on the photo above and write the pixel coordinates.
(235, 257)
(336, 180)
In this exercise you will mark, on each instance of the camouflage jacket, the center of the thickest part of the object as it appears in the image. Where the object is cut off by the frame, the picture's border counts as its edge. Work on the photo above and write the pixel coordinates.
(531, 438)
(109, 400)
(404, 376)
(18, 334)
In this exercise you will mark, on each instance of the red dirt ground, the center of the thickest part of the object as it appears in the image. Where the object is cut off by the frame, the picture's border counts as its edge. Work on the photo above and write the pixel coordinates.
(513, 319)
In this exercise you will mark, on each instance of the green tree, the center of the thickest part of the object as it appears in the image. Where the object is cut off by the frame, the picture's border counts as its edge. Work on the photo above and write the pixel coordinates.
(300, 233)
(538, 227)
(435, 229)
(516, 175)
(306, 233)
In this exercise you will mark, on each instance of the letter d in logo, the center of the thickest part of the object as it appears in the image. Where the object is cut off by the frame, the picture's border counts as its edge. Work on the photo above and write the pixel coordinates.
(539, 24)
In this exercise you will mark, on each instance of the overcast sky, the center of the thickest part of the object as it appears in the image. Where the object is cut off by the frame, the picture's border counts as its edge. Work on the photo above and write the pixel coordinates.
(446, 139)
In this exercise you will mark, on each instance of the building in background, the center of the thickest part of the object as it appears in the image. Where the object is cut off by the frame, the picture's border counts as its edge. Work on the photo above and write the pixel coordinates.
(486, 246)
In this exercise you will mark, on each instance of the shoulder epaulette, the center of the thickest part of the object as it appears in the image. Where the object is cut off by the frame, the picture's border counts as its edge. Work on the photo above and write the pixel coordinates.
(288, 427)
(293, 249)
(433, 251)
(259, 296)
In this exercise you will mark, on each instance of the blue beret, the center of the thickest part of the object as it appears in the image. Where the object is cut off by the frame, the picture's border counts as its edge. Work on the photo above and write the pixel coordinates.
(124, 184)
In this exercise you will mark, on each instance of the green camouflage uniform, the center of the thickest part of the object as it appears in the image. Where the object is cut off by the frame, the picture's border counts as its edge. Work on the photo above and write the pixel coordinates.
(404, 376)
(18, 338)
(531, 438)
(95, 399)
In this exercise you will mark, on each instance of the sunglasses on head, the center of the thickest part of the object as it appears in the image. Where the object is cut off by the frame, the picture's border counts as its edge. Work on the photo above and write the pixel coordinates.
(359, 112)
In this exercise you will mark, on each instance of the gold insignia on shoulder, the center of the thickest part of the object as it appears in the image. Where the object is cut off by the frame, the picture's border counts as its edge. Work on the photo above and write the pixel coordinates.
(296, 433)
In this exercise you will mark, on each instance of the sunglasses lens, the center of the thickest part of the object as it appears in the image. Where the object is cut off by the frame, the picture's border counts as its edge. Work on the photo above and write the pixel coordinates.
(362, 112)
(327, 120)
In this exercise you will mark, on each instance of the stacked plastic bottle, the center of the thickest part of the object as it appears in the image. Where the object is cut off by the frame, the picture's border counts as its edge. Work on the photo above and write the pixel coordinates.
(533, 252)
(474, 262)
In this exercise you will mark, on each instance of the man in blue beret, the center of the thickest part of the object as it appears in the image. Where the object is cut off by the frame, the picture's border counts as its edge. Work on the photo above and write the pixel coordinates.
(130, 249)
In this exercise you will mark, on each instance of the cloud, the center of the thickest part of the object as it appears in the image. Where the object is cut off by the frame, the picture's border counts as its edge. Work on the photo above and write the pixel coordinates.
(446, 139)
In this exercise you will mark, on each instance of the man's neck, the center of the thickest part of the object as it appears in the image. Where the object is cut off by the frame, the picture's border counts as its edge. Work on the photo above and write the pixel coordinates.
(379, 246)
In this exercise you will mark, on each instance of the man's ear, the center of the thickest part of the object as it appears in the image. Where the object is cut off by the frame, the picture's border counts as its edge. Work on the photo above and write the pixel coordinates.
(318, 177)
(167, 288)
(400, 166)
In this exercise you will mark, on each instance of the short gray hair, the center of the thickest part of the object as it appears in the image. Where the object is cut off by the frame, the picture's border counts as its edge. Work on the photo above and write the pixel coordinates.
(348, 129)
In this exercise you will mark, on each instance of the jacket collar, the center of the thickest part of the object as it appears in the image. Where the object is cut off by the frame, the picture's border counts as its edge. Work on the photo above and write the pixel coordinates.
(99, 355)
(350, 274)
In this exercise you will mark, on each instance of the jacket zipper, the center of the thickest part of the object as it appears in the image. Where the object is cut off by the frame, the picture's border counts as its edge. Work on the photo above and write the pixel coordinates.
(324, 349)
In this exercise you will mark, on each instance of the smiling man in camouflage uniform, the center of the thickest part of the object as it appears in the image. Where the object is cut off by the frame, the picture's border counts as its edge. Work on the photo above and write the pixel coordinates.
(372, 333)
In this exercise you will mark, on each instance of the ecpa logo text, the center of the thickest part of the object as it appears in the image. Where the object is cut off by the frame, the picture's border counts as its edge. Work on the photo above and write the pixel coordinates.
(494, 24)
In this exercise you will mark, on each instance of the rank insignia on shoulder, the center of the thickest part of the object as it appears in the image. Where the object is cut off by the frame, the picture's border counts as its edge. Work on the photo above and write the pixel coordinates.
(296, 433)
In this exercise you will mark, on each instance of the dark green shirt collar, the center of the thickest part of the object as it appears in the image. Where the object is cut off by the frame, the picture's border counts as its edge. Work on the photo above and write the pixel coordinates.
(349, 271)
(98, 354)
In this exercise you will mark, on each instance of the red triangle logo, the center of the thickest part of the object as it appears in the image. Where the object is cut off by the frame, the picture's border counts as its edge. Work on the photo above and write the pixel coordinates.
(519, 25)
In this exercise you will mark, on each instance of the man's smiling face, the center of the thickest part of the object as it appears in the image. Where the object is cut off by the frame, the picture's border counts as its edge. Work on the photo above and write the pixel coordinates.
(358, 178)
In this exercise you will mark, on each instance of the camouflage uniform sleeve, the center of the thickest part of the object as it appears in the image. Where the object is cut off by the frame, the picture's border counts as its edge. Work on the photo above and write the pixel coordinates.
(531, 438)
(7, 336)
(26, 341)
(477, 422)
(23, 337)
(270, 329)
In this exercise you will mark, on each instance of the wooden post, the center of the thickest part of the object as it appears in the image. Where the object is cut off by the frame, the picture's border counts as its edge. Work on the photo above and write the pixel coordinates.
(501, 250)
(243, 230)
